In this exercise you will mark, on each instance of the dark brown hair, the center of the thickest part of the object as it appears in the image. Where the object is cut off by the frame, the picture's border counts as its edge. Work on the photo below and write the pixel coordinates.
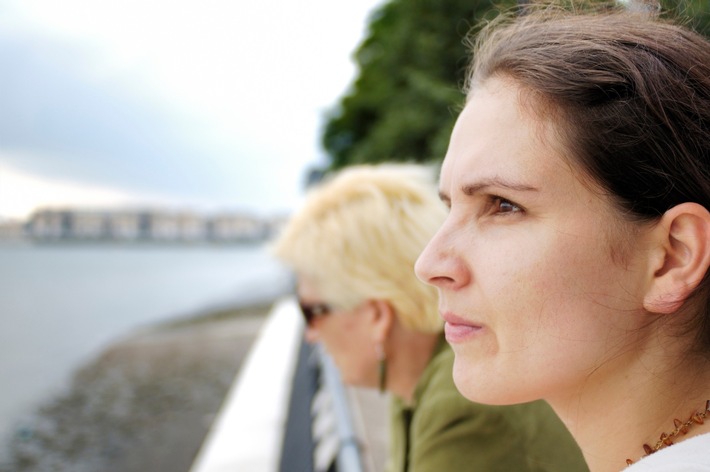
(630, 95)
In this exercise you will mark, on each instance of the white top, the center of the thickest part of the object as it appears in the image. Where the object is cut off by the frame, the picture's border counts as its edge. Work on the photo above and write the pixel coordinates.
(689, 455)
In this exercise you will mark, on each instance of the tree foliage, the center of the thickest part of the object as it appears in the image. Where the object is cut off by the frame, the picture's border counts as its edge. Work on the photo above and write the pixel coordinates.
(412, 64)
(407, 95)
(696, 13)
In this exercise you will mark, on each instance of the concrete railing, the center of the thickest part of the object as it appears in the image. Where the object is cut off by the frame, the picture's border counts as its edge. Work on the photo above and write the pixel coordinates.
(249, 433)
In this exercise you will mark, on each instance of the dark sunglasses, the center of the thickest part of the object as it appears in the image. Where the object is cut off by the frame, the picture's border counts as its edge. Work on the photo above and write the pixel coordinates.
(313, 310)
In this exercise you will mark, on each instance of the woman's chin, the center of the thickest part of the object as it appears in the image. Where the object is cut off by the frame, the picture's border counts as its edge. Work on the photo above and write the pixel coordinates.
(480, 385)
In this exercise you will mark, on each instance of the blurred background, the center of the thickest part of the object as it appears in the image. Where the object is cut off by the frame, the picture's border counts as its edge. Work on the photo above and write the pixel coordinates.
(148, 151)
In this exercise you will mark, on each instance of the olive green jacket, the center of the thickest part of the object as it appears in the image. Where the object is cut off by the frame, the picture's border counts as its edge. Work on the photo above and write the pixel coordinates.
(444, 432)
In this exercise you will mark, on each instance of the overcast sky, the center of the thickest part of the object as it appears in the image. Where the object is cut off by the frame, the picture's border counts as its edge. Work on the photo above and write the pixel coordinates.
(202, 104)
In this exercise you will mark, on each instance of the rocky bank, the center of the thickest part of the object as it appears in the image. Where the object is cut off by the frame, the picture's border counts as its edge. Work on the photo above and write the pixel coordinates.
(146, 404)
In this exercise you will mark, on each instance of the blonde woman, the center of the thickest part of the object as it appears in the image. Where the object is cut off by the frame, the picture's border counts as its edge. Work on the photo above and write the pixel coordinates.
(353, 246)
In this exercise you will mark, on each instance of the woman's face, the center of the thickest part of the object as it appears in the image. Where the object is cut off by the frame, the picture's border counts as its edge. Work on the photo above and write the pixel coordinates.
(345, 335)
(538, 287)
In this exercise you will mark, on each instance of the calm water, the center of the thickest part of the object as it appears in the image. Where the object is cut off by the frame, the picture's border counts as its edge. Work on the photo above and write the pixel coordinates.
(60, 305)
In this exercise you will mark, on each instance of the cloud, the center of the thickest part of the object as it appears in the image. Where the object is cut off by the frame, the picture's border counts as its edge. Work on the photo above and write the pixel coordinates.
(64, 124)
(215, 101)
(21, 193)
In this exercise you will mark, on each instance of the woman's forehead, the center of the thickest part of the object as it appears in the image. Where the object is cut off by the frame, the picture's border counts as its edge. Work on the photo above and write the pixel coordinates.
(498, 146)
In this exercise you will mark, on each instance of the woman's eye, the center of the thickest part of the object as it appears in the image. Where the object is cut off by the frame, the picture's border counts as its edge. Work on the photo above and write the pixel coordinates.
(501, 205)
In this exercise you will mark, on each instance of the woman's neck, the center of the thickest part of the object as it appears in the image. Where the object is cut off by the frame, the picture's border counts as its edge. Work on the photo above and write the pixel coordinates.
(410, 354)
(617, 411)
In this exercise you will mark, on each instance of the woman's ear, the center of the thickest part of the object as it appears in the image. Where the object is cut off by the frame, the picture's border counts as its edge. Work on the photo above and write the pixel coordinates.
(383, 318)
(682, 239)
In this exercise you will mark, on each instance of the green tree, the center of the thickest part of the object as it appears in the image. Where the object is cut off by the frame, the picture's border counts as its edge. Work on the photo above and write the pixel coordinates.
(697, 12)
(412, 64)
(404, 102)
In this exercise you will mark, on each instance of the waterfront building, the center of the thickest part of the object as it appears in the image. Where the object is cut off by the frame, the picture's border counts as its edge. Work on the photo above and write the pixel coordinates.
(87, 225)
(49, 225)
(236, 227)
(147, 226)
(125, 226)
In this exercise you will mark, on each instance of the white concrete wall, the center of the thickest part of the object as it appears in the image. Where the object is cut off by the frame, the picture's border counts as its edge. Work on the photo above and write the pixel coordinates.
(247, 434)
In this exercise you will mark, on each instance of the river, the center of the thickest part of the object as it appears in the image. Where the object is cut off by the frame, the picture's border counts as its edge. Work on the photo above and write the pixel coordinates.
(60, 305)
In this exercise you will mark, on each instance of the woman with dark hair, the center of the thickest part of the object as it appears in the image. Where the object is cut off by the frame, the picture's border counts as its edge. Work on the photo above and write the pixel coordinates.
(573, 264)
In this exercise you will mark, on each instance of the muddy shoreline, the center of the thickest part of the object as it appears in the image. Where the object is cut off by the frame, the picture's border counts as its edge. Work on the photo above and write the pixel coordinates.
(145, 404)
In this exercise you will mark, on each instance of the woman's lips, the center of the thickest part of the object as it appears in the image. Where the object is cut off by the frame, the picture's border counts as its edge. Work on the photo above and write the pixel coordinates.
(457, 329)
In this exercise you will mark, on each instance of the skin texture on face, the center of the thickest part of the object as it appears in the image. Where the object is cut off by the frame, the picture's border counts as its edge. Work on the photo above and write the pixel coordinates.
(345, 335)
(534, 303)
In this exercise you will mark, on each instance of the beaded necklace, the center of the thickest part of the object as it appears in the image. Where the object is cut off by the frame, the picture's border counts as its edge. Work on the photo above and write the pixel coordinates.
(680, 428)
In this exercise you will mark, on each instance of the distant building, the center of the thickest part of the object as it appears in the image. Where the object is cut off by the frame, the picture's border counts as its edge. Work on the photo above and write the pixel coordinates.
(126, 226)
(163, 227)
(225, 228)
(185, 227)
(49, 225)
(147, 226)
(191, 227)
(87, 226)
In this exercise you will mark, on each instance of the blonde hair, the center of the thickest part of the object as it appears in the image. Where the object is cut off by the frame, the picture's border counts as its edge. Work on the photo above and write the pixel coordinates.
(358, 235)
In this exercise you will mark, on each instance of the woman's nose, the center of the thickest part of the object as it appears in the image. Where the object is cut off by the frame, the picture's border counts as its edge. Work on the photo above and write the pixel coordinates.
(440, 266)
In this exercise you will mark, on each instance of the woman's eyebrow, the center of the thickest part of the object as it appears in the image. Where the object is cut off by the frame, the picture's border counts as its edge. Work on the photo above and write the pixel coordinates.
(476, 187)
